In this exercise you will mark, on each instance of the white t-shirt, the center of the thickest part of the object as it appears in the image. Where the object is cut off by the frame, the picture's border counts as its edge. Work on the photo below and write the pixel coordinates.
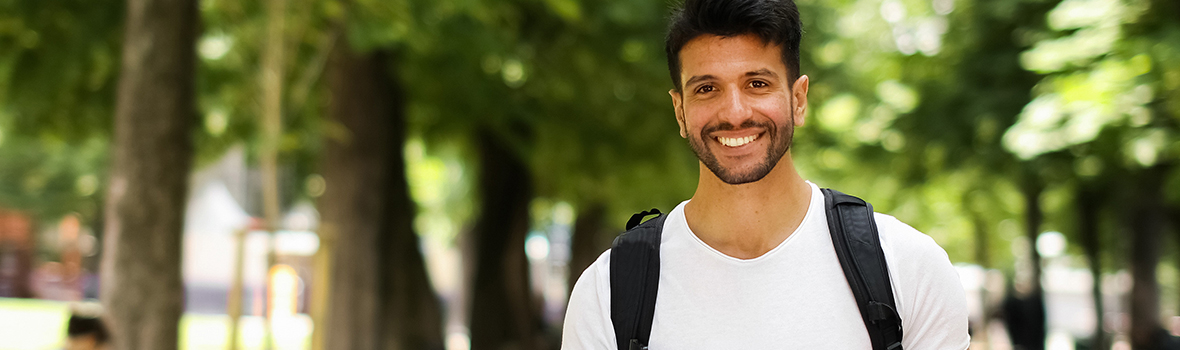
(793, 297)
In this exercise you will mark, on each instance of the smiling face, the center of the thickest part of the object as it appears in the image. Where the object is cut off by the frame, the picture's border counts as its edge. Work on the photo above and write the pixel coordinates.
(737, 107)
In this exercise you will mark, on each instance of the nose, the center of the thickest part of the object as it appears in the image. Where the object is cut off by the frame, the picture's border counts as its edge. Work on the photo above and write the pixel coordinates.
(735, 108)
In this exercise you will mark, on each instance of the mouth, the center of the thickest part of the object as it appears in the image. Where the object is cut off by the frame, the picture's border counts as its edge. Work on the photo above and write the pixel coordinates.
(735, 142)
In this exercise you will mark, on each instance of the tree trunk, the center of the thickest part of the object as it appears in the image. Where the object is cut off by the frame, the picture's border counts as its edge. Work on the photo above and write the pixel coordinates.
(268, 150)
(1089, 202)
(983, 258)
(1147, 225)
(381, 297)
(1035, 300)
(1032, 229)
(413, 309)
(1174, 215)
(587, 241)
(982, 235)
(152, 156)
(503, 312)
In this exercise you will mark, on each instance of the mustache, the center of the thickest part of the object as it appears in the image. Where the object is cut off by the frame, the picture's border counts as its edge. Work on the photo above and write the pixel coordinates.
(725, 126)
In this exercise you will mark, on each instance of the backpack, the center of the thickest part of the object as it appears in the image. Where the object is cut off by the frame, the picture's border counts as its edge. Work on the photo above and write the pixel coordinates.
(635, 271)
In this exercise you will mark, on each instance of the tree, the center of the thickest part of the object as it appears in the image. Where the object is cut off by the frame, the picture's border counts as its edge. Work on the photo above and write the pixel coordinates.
(1147, 221)
(504, 311)
(380, 297)
(1107, 105)
(587, 240)
(523, 100)
(152, 156)
(1089, 207)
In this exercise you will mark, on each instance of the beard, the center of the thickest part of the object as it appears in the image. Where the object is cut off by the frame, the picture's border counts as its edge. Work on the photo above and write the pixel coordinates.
(780, 143)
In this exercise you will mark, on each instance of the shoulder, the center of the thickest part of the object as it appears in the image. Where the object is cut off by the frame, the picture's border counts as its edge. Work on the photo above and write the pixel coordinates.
(929, 294)
(597, 273)
(593, 286)
(907, 243)
(587, 319)
(912, 254)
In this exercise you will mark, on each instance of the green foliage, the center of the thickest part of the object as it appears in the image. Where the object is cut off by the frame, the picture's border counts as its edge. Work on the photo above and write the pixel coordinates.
(59, 61)
(49, 177)
(580, 94)
(937, 111)
(1105, 108)
(1098, 79)
(58, 64)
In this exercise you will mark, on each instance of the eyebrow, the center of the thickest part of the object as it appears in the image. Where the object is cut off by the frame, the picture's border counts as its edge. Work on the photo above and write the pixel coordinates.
(699, 78)
(760, 72)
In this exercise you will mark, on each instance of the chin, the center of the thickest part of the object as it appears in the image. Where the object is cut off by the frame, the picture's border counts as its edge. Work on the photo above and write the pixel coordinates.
(743, 176)
(744, 170)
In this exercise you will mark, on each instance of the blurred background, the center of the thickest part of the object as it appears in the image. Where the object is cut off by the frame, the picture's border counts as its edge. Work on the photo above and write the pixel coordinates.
(435, 174)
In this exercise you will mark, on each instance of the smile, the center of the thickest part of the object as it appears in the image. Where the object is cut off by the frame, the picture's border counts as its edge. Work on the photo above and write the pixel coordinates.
(738, 141)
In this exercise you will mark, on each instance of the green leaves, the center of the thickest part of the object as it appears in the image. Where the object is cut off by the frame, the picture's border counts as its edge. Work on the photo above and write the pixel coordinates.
(1100, 77)
(927, 108)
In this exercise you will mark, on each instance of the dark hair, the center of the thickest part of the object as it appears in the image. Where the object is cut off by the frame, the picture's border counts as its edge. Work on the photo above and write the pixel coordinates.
(81, 326)
(773, 21)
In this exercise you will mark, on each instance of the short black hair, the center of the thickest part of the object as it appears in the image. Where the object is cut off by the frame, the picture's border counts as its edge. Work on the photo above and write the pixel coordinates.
(82, 326)
(774, 21)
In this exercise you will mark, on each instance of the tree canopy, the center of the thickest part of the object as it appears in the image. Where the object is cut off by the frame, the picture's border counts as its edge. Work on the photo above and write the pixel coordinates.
(949, 114)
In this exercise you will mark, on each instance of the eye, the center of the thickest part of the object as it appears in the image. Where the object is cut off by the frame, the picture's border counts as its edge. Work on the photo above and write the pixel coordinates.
(758, 84)
(705, 88)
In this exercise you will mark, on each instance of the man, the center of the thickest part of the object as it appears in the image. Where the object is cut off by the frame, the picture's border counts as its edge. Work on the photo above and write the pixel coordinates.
(747, 262)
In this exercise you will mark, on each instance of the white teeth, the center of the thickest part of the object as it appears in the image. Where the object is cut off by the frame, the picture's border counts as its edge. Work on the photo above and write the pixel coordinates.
(735, 142)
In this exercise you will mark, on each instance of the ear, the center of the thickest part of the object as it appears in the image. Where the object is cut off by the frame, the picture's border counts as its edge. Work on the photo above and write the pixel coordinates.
(799, 99)
(678, 106)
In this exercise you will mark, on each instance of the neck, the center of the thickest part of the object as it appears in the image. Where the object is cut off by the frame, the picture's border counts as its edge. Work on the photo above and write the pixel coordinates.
(746, 221)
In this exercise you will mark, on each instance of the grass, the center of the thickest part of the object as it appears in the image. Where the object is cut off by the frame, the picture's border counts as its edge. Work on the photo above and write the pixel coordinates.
(31, 324)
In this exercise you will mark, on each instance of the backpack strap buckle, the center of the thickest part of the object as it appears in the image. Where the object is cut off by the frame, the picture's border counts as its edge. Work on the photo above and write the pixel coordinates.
(636, 219)
(885, 318)
(635, 345)
(879, 313)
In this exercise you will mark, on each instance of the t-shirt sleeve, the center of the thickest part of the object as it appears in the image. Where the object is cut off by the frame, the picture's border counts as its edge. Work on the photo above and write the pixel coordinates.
(587, 317)
(929, 292)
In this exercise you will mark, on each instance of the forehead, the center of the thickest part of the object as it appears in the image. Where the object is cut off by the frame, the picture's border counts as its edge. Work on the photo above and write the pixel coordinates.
(724, 56)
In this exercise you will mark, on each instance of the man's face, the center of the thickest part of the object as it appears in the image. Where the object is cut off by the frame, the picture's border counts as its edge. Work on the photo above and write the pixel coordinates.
(736, 106)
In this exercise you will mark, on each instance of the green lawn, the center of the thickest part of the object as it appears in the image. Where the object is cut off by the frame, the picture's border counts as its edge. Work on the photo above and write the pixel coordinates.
(30, 324)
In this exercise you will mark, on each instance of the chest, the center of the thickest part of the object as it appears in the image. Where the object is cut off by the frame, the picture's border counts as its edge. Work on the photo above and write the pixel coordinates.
(797, 298)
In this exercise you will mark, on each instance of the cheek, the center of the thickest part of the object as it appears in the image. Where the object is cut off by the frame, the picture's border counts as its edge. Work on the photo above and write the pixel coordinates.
(778, 111)
(695, 117)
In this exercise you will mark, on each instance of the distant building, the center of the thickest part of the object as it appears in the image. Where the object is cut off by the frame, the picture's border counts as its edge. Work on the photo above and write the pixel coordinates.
(219, 207)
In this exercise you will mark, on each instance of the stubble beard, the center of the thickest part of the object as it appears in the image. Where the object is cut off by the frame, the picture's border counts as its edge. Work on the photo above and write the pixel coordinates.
(780, 143)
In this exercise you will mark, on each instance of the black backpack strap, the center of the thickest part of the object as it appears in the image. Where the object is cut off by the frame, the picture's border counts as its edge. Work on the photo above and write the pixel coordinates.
(634, 280)
(858, 246)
